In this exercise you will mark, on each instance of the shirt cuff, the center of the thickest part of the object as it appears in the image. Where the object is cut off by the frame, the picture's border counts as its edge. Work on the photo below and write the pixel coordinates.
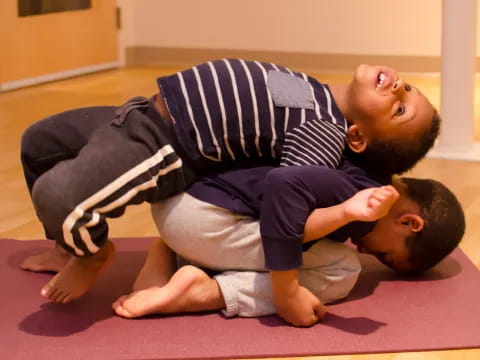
(282, 254)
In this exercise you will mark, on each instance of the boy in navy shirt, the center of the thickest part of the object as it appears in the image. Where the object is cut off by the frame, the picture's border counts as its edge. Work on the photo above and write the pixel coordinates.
(420, 222)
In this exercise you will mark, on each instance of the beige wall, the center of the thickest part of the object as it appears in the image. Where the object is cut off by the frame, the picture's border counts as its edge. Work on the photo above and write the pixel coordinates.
(358, 27)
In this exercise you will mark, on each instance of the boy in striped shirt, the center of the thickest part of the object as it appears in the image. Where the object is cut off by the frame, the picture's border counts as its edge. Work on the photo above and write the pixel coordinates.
(86, 165)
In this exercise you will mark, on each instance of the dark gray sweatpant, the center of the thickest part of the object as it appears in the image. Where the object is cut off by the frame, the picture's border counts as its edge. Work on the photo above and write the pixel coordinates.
(86, 165)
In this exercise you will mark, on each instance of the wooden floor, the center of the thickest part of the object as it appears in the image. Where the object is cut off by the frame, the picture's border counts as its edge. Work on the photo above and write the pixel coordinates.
(20, 108)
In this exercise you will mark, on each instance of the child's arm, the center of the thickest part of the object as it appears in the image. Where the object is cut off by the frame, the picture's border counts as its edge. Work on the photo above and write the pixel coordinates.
(293, 302)
(366, 205)
(296, 304)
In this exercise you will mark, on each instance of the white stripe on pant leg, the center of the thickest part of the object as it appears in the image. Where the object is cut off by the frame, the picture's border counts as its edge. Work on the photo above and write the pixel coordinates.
(133, 191)
(106, 191)
(125, 198)
(94, 220)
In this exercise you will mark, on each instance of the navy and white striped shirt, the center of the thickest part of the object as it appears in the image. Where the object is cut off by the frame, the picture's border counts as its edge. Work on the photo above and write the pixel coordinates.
(234, 110)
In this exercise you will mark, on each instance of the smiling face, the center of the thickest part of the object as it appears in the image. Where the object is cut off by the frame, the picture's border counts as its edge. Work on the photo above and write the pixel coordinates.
(384, 107)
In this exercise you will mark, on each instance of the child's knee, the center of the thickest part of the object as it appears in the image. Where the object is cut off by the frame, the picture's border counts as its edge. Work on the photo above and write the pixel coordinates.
(332, 253)
(51, 200)
(54, 203)
(350, 261)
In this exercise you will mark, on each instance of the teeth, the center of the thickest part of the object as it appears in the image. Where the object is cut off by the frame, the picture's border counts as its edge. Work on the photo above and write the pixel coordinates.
(380, 79)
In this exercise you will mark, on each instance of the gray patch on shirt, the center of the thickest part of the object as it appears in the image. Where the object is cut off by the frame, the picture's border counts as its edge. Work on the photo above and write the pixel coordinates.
(290, 91)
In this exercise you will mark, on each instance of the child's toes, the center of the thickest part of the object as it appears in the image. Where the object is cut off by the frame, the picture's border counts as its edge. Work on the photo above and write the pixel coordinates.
(47, 291)
(118, 302)
(61, 298)
(121, 311)
(57, 295)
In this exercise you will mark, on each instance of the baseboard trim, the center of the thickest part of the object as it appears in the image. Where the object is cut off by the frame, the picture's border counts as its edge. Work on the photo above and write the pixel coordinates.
(11, 85)
(309, 62)
(470, 154)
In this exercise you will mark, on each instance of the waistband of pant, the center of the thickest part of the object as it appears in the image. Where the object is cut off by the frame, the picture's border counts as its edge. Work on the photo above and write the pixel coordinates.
(168, 128)
(153, 114)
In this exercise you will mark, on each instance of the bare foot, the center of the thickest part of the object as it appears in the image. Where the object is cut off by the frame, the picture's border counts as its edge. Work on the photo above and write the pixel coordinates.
(158, 268)
(189, 290)
(50, 260)
(78, 275)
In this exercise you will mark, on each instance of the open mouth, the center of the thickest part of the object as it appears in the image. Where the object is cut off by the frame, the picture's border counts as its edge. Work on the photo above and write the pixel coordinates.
(381, 79)
(385, 78)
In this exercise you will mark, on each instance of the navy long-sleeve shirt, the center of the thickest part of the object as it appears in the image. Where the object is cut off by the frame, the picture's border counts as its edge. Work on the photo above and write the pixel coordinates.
(283, 198)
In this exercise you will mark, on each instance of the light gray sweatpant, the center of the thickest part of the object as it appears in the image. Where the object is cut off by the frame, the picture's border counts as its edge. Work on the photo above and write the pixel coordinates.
(213, 237)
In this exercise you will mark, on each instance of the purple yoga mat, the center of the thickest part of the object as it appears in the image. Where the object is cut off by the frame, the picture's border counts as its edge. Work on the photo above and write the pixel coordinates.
(384, 313)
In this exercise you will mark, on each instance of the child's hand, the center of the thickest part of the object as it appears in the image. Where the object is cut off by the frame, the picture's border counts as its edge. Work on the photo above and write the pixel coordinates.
(370, 204)
(300, 308)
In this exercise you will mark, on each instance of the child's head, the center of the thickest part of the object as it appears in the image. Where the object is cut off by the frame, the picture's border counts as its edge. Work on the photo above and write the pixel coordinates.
(392, 125)
(423, 226)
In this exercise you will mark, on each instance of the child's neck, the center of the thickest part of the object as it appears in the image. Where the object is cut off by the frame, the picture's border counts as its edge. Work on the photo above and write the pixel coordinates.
(339, 92)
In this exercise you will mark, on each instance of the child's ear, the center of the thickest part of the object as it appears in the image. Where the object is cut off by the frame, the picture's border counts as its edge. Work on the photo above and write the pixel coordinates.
(355, 139)
(412, 222)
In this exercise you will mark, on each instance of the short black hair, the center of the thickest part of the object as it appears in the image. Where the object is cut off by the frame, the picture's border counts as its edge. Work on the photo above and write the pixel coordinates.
(397, 155)
(444, 223)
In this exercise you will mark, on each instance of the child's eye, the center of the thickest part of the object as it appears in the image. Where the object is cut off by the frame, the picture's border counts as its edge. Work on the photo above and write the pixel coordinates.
(400, 110)
(408, 87)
